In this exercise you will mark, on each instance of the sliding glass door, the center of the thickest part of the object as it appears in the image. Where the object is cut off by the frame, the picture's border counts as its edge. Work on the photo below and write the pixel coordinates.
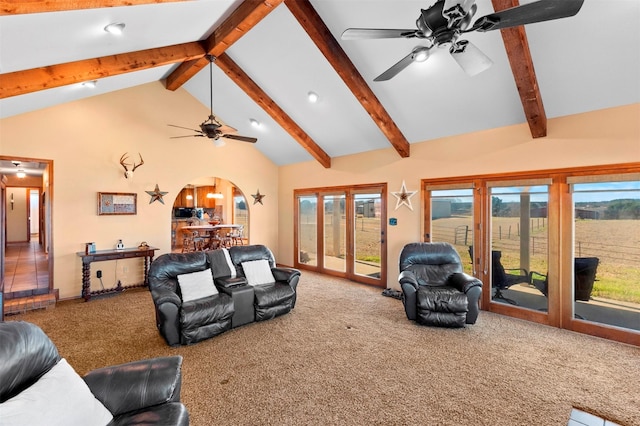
(346, 226)
(519, 245)
(606, 252)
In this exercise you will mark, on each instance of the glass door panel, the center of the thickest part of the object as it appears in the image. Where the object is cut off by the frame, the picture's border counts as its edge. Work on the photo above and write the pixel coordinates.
(334, 232)
(368, 234)
(308, 230)
(452, 221)
(606, 250)
(519, 246)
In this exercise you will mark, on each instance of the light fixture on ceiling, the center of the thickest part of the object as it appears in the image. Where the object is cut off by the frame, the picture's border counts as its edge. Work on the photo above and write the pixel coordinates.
(219, 142)
(313, 97)
(115, 28)
(215, 194)
(420, 54)
(20, 173)
(90, 83)
(254, 122)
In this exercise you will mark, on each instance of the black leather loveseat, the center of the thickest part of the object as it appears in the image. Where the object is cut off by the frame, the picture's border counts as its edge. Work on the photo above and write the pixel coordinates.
(247, 287)
(38, 386)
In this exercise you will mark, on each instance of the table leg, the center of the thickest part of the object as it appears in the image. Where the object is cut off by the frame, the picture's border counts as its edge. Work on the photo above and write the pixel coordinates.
(86, 281)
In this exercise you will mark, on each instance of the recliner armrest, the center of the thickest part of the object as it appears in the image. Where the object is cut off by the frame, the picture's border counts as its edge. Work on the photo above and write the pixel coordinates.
(163, 295)
(145, 383)
(227, 282)
(284, 274)
(463, 282)
(408, 277)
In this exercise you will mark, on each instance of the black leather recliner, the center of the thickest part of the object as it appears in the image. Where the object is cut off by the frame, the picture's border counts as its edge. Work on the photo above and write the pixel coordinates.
(435, 289)
(271, 299)
(190, 322)
(140, 392)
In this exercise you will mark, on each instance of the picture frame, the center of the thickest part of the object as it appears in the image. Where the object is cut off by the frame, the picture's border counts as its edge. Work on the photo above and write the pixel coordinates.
(117, 203)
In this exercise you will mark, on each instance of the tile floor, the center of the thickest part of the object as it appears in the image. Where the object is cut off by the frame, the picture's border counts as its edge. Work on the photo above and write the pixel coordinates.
(26, 284)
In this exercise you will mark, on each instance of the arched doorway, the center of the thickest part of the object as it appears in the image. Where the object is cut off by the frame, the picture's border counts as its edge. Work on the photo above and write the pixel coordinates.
(210, 201)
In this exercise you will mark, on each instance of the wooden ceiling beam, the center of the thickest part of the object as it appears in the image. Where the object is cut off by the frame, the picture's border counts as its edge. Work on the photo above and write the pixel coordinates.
(33, 80)
(259, 96)
(331, 49)
(40, 6)
(517, 46)
(244, 18)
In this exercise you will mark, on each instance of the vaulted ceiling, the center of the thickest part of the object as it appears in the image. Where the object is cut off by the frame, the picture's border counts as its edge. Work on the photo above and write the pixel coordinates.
(271, 53)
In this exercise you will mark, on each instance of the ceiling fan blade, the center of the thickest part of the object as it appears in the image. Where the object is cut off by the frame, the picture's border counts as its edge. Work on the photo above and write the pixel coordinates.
(419, 54)
(240, 138)
(373, 33)
(470, 58)
(186, 128)
(188, 136)
(539, 11)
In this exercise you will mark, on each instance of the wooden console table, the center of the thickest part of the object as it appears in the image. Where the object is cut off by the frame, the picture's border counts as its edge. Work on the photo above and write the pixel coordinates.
(101, 255)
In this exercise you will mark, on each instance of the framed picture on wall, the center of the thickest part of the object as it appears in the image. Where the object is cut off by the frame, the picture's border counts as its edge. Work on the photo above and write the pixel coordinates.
(110, 203)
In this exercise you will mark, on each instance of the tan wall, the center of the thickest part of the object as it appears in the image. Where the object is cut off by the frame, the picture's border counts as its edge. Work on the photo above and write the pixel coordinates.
(602, 137)
(85, 140)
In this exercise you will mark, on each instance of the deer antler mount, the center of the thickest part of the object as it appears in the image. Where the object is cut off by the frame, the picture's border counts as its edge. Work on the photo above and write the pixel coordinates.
(129, 173)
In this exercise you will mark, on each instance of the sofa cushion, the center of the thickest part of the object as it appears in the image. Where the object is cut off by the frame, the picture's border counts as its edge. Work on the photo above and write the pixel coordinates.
(258, 272)
(274, 294)
(196, 285)
(60, 397)
(206, 310)
(442, 299)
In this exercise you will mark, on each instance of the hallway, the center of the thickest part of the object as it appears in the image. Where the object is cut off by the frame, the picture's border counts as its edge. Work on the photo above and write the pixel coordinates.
(26, 283)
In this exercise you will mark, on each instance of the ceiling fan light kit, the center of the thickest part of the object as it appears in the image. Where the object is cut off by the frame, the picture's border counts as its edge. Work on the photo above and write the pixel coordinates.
(212, 127)
(441, 24)
(470, 58)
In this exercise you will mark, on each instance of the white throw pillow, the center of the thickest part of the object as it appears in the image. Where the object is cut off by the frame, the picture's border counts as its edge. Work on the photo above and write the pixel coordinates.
(196, 285)
(60, 397)
(258, 272)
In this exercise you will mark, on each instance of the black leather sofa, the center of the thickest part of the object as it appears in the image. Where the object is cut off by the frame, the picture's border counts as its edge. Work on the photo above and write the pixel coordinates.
(140, 392)
(236, 303)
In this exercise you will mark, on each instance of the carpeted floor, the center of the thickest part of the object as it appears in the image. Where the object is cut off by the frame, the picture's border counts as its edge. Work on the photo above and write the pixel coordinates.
(346, 355)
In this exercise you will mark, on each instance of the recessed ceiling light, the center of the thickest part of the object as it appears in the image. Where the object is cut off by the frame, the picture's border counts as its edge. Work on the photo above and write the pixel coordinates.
(90, 83)
(115, 28)
(254, 122)
(313, 97)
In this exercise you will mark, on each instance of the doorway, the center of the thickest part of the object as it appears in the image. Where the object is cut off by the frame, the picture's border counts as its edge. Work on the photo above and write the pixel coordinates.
(31, 254)
(341, 231)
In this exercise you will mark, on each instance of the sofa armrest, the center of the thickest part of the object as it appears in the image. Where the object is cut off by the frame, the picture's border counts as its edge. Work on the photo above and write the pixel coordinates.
(163, 295)
(463, 282)
(284, 274)
(137, 385)
(226, 282)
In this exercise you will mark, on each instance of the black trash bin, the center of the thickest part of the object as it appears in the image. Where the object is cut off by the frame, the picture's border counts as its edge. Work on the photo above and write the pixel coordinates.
(584, 276)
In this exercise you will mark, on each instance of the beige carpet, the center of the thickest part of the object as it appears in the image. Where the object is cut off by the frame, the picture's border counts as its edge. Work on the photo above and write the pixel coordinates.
(346, 355)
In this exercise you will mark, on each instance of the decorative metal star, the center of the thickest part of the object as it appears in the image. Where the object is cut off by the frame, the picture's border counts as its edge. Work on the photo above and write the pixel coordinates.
(257, 197)
(404, 196)
(156, 195)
